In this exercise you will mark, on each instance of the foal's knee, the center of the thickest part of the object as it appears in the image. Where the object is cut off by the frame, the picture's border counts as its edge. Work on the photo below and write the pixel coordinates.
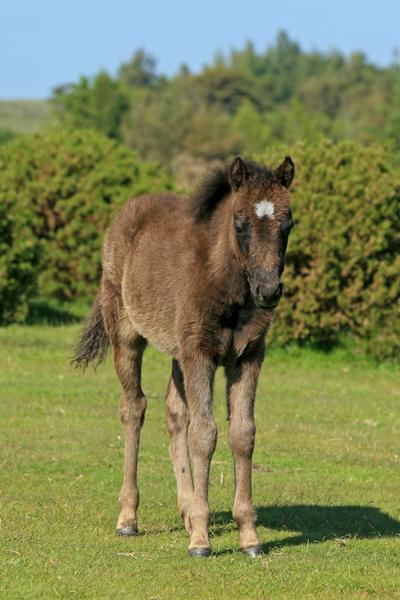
(132, 409)
(241, 437)
(202, 434)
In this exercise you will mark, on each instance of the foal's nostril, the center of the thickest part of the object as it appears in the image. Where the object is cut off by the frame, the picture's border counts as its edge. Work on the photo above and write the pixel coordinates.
(267, 294)
(266, 288)
(259, 293)
(270, 292)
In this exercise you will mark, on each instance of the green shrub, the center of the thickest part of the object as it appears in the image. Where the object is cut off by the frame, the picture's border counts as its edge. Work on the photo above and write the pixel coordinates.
(71, 183)
(19, 254)
(6, 135)
(343, 262)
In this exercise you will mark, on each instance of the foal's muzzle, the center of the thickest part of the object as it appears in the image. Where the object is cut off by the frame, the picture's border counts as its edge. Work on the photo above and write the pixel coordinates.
(270, 301)
(266, 290)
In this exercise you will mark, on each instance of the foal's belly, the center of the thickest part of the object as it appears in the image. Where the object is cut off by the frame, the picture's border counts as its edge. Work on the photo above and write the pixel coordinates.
(150, 309)
(154, 322)
(162, 340)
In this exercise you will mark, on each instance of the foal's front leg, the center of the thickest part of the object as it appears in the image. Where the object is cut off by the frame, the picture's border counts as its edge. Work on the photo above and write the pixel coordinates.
(198, 372)
(242, 379)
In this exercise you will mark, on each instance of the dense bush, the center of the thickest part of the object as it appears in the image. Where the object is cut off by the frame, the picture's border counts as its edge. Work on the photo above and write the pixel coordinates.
(19, 252)
(343, 262)
(6, 135)
(66, 186)
(59, 191)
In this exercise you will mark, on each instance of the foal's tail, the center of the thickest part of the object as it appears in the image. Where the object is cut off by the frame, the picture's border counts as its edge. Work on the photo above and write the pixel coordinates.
(93, 343)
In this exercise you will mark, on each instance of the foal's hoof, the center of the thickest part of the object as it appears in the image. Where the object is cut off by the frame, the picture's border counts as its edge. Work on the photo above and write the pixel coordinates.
(124, 531)
(253, 551)
(199, 552)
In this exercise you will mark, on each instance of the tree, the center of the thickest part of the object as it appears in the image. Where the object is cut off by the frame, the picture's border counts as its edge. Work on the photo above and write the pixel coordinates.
(140, 71)
(157, 124)
(212, 134)
(253, 128)
(99, 104)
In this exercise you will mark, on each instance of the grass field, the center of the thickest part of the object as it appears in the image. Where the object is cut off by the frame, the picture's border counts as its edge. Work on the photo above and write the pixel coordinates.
(326, 482)
(25, 116)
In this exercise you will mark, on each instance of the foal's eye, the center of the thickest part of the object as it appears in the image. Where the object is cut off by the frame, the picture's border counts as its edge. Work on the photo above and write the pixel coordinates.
(240, 226)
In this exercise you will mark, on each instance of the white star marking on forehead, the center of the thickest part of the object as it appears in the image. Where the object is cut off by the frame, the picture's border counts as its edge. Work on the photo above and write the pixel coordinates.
(265, 208)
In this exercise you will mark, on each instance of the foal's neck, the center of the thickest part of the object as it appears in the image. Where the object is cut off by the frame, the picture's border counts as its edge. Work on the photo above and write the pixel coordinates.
(227, 272)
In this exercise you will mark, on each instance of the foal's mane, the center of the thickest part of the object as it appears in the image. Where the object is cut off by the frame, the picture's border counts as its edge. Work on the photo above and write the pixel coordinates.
(216, 185)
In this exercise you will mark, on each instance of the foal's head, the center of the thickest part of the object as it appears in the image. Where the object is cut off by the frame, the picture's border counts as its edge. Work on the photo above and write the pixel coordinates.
(261, 221)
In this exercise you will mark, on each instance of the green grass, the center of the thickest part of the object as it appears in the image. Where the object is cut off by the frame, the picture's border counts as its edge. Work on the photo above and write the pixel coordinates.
(326, 481)
(25, 116)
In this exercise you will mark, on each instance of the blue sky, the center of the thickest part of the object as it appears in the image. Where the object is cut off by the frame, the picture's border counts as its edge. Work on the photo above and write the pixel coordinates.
(44, 43)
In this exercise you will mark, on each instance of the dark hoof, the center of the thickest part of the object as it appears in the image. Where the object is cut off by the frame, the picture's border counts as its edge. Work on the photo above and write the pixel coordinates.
(253, 551)
(199, 552)
(123, 531)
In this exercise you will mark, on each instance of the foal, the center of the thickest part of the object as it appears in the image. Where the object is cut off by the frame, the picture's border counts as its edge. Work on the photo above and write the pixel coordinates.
(200, 280)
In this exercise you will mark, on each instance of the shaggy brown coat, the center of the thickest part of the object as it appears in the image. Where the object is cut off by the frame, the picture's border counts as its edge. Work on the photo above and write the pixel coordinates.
(199, 280)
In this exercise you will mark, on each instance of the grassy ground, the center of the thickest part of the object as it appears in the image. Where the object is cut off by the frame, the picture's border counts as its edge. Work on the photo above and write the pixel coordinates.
(326, 482)
(25, 116)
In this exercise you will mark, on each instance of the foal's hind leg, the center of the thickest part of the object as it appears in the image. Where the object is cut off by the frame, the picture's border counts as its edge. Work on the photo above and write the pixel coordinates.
(178, 422)
(241, 384)
(128, 363)
(198, 371)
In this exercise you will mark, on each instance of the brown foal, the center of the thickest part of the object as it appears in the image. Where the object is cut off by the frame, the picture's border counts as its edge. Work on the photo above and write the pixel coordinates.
(198, 279)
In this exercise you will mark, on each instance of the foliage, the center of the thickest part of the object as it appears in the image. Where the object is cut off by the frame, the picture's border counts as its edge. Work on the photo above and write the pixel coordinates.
(211, 135)
(246, 99)
(98, 104)
(6, 135)
(64, 189)
(156, 125)
(343, 258)
(19, 247)
(58, 193)
(140, 71)
(324, 479)
(343, 262)
(280, 94)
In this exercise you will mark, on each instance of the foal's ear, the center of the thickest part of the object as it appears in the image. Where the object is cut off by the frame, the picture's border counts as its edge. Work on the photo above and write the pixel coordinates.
(239, 173)
(285, 172)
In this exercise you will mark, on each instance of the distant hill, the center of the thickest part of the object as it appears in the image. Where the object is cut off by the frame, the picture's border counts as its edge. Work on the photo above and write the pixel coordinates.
(25, 116)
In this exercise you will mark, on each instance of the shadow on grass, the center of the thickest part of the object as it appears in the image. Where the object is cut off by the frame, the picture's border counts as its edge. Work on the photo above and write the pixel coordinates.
(317, 523)
(42, 312)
